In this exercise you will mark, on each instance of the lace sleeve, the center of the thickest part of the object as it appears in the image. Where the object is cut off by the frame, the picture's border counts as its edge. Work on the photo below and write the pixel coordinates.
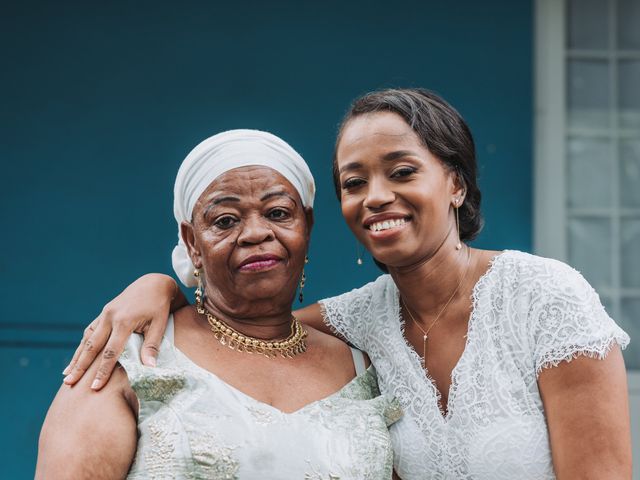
(350, 315)
(569, 320)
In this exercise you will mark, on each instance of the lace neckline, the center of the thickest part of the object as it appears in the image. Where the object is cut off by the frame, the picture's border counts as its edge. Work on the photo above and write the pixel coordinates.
(476, 292)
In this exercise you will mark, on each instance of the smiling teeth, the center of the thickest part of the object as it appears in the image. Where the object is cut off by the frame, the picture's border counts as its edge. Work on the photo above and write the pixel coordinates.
(387, 224)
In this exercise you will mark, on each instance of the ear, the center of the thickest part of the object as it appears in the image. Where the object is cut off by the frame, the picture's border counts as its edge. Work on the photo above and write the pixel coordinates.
(308, 213)
(458, 188)
(189, 238)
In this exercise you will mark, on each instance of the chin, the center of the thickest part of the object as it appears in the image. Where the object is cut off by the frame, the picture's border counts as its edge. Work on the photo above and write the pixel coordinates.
(265, 290)
(395, 259)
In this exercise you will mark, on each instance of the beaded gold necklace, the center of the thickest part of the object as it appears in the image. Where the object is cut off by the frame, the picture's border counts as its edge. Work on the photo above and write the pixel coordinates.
(294, 344)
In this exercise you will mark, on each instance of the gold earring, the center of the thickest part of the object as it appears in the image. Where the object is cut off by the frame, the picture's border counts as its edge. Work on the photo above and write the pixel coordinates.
(303, 279)
(459, 244)
(358, 254)
(199, 291)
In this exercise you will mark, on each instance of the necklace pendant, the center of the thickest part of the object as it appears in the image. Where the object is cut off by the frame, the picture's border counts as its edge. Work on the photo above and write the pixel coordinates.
(424, 351)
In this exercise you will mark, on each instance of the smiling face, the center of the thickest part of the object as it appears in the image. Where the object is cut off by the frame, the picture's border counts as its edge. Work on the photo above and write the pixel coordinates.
(250, 234)
(395, 195)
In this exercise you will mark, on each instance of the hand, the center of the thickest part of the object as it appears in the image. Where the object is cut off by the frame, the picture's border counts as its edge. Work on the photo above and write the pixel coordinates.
(143, 307)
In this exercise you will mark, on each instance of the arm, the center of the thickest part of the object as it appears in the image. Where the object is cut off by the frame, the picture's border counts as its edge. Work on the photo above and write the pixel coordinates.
(77, 443)
(312, 316)
(142, 307)
(587, 411)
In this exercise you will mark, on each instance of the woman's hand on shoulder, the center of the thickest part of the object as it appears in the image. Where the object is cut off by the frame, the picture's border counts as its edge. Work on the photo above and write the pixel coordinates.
(143, 307)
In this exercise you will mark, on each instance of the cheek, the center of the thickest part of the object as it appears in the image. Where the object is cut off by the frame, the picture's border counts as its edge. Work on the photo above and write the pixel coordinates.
(349, 208)
(213, 245)
(295, 242)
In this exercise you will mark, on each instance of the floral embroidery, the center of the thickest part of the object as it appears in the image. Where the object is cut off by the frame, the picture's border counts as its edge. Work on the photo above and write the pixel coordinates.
(160, 387)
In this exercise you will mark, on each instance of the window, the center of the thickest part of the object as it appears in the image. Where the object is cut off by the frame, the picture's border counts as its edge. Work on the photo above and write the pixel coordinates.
(588, 148)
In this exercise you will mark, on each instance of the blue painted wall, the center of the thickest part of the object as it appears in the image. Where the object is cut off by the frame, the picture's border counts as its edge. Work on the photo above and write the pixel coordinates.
(101, 103)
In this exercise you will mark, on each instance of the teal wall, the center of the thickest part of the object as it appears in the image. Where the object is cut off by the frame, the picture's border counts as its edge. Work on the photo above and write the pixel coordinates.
(101, 102)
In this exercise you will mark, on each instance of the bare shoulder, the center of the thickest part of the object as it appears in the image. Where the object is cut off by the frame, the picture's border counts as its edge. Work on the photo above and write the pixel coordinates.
(323, 340)
(335, 350)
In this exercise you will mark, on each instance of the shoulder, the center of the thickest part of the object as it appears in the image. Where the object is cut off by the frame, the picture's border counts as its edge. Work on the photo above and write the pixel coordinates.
(381, 287)
(526, 272)
(530, 292)
(130, 357)
(358, 314)
(524, 262)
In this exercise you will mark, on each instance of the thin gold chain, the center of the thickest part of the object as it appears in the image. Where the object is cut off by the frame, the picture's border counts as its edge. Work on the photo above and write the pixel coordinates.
(294, 344)
(425, 333)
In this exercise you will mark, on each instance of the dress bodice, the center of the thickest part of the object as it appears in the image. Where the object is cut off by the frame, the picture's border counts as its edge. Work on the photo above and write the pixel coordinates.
(529, 313)
(192, 424)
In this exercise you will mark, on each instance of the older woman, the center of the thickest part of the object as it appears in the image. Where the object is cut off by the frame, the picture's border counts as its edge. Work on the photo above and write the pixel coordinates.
(507, 365)
(241, 388)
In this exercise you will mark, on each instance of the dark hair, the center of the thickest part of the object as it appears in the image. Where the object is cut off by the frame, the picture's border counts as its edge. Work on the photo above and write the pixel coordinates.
(441, 129)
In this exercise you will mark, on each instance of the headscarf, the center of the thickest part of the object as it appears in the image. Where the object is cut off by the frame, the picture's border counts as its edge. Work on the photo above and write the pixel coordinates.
(219, 154)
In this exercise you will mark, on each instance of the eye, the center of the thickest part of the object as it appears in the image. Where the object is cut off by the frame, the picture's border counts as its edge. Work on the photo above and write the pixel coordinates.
(224, 222)
(278, 214)
(352, 183)
(403, 172)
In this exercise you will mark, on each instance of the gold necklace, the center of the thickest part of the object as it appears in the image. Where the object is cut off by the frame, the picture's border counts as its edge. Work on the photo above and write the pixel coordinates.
(294, 344)
(425, 333)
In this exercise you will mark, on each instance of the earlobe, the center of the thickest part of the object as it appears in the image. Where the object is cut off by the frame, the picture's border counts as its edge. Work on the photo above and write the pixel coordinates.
(459, 189)
(188, 237)
(458, 200)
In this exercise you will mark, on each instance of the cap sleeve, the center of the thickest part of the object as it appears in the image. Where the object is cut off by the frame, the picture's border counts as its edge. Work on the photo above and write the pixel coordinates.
(569, 320)
(350, 315)
(130, 357)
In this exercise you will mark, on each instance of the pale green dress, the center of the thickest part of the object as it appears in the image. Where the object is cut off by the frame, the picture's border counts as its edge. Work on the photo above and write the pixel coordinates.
(191, 424)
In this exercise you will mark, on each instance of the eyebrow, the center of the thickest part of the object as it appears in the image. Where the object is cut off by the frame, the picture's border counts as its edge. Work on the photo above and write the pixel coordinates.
(229, 198)
(218, 201)
(389, 157)
(269, 195)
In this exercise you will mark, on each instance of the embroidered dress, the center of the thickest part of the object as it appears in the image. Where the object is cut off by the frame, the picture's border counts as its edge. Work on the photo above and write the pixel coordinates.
(529, 313)
(192, 425)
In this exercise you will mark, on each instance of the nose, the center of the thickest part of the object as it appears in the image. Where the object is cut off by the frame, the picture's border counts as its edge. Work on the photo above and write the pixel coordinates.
(379, 194)
(255, 230)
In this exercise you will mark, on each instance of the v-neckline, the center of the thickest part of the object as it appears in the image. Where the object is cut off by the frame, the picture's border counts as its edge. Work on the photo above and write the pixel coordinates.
(445, 415)
(170, 337)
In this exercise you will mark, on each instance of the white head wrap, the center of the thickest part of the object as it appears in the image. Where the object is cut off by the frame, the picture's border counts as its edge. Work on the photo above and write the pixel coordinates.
(219, 154)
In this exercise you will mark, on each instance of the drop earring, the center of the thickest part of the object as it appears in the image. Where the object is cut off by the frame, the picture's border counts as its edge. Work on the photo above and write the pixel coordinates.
(358, 254)
(199, 291)
(457, 207)
(303, 279)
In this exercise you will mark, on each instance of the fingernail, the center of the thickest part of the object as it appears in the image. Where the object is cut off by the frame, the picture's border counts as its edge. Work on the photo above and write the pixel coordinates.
(95, 384)
(67, 370)
(152, 361)
(68, 379)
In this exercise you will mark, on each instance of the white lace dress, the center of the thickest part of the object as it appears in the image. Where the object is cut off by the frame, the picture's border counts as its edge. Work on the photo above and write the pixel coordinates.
(193, 425)
(529, 313)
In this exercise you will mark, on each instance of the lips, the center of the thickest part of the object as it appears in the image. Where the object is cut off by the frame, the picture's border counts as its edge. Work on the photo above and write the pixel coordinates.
(256, 263)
